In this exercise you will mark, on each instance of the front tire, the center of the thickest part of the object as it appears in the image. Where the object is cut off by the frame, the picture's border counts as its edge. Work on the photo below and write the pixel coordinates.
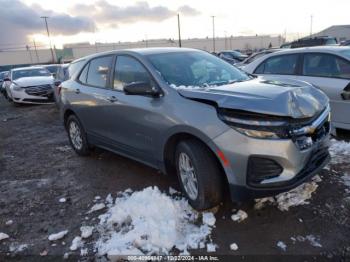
(199, 174)
(77, 136)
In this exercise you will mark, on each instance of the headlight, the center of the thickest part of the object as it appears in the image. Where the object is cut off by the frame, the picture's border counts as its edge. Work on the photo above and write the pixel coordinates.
(256, 128)
(16, 87)
(257, 133)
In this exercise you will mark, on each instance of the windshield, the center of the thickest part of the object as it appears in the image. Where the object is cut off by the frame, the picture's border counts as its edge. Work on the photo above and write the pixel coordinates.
(30, 72)
(331, 41)
(195, 69)
(52, 69)
(346, 53)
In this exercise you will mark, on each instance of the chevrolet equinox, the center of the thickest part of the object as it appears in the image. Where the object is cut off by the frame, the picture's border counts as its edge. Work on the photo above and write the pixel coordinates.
(189, 113)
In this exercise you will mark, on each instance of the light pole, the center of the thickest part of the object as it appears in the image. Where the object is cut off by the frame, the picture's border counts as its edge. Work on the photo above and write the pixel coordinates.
(213, 17)
(179, 29)
(311, 21)
(48, 35)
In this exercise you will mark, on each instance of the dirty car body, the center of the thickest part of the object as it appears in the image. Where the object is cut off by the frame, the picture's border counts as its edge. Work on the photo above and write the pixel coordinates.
(266, 136)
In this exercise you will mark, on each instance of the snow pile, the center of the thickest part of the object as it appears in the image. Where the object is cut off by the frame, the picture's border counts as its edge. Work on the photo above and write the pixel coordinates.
(239, 216)
(3, 236)
(58, 235)
(151, 222)
(211, 247)
(340, 151)
(295, 197)
(17, 248)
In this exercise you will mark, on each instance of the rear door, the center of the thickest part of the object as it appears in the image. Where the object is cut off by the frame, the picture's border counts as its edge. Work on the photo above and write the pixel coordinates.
(279, 66)
(90, 97)
(331, 74)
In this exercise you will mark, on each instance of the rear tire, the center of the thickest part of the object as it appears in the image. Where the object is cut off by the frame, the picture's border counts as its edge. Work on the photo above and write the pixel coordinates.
(206, 190)
(77, 136)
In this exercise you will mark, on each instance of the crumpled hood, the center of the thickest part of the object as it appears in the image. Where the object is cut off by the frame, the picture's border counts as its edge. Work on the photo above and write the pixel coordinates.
(288, 98)
(34, 81)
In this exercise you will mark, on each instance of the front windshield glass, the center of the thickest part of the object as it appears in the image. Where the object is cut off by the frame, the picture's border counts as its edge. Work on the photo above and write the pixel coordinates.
(29, 73)
(346, 53)
(195, 69)
(52, 69)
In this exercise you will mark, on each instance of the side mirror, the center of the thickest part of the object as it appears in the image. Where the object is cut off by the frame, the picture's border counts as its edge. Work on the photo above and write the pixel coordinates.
(141, 88)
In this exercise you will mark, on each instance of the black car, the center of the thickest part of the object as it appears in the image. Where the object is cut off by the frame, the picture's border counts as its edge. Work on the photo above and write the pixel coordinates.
(232, 56)
(314, 41)
(3, 75)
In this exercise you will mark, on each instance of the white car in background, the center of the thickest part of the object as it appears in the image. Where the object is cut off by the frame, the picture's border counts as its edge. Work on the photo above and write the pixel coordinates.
(30, 85)
(326, 68)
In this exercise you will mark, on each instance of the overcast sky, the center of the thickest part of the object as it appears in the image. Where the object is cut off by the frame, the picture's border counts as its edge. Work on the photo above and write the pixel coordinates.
(128, 20)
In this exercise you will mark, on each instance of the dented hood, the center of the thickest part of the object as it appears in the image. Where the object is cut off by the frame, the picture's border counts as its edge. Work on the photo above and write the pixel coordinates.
(288, 98)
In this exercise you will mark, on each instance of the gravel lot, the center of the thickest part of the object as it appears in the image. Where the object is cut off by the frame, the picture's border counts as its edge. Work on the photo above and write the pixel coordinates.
(38, 168)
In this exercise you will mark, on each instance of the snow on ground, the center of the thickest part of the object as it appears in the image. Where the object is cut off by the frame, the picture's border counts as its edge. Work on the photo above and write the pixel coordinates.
(211, 247)
(346, 179)
(151, 222)
(9, 222)
(295, 197)
(209, 218)
(16, 248)
(313, 240)
(234, 247)
(340, 151)
(3, 236)
(58, 235)
(239, 216)
(86, 231)
(76, 243)
(97, 207)
(282, 245)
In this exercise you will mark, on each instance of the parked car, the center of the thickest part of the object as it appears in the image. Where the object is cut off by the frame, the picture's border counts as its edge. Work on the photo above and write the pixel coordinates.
(286, 45)
(187, 112)
(67, 72)
(232, 57)
(31, 85)
(3, 75)
(314, 41)
(327, 68)
(255, 56)
(52, 68)
(345, 43)
(61, 75)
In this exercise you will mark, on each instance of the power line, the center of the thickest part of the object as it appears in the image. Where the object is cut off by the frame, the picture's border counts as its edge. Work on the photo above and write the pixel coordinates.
(48, 35)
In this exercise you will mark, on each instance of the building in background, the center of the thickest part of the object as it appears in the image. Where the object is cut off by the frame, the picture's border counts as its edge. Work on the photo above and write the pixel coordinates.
(30, 56)
(341, 32)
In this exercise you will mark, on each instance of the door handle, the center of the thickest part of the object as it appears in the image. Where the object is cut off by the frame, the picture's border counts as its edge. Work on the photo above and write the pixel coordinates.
(112, 99)
(77, 91)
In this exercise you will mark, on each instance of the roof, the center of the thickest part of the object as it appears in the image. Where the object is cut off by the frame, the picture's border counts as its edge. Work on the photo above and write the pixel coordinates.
(329, 48)
(27, 68)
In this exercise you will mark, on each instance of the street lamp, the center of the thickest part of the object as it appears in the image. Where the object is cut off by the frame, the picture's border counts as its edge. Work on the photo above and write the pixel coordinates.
(213, 17)
(179, 28)
(48, 35)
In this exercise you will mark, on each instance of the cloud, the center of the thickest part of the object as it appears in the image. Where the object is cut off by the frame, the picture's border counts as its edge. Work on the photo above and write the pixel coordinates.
(106, 13)
(19, 20)
(188, 11)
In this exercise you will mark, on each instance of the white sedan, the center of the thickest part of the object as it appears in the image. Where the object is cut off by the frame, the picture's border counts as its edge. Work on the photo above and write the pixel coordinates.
(30, 85)
(326, 68)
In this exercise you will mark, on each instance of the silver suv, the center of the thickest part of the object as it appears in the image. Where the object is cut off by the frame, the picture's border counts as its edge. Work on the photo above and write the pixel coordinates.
(189, 113)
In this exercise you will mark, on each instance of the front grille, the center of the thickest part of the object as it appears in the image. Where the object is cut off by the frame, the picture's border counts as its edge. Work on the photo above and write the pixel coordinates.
(41, 90)
(260, 169)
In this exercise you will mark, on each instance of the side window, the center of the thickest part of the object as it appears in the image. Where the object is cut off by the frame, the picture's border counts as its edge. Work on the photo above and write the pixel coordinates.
(99, 69)
(281, 65)
(260, 69)
(325, 65)
(83, 74)
(129, 70)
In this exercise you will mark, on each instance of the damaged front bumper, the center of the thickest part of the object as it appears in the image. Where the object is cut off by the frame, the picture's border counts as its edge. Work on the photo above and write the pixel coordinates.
(259, 167)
